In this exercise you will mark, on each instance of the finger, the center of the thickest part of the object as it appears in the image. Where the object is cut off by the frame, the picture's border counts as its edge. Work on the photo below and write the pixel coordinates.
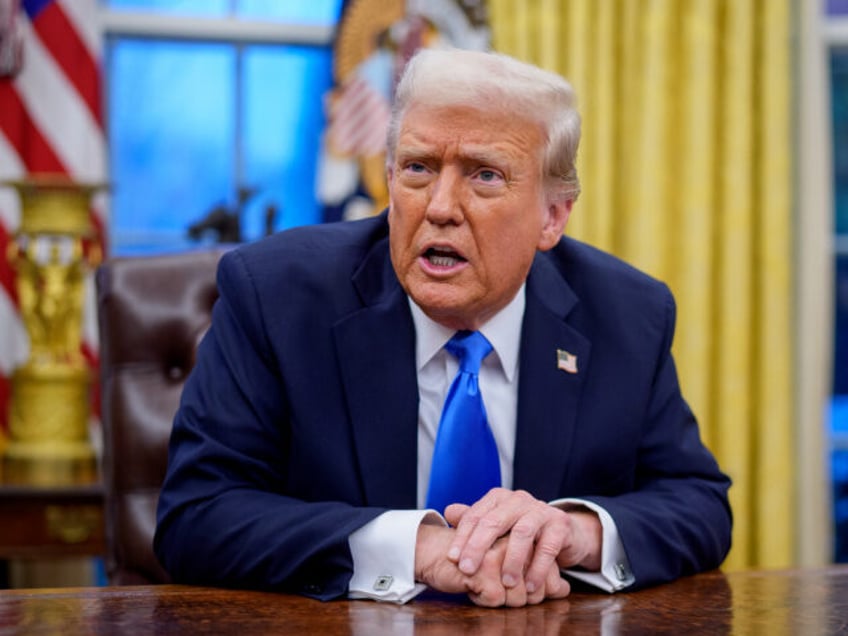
(515, 596)
(485, 591)
(554, 536)
(487, 521)
(455, 512)
(468, 526)
(555, 585)
(485, 587)
(521, 546)
(488, 598)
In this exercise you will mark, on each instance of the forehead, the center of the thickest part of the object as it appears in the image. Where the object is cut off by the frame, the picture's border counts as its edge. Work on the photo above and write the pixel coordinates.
(467, 129)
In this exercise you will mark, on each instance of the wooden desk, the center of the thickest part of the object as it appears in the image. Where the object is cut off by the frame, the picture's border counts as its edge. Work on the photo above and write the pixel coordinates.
(41, 522)
(806, 602)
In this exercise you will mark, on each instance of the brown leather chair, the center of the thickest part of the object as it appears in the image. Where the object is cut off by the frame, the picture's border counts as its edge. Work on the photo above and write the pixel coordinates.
(152, 314)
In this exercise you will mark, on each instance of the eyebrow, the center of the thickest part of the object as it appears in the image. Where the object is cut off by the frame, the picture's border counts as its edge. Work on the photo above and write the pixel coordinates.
(480, 155)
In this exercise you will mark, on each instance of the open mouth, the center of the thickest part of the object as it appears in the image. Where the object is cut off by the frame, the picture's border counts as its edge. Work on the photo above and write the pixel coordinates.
(443, 257)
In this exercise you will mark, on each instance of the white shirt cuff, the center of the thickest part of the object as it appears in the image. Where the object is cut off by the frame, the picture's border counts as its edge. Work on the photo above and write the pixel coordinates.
(615, 573)
(383, 552)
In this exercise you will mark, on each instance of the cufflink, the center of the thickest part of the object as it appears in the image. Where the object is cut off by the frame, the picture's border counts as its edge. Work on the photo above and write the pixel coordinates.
(620, 572)
(383, 583)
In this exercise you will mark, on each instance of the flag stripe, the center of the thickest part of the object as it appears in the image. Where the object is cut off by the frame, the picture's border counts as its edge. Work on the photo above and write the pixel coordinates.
(10, 207)
(58, 112)
(360, 120)
(67, 48)
(82, 16)
(7, 276)
(5, 394)
(10, 214)
(17, 125)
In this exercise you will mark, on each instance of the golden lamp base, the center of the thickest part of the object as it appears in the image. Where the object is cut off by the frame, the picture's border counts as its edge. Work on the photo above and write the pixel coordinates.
(48, 430)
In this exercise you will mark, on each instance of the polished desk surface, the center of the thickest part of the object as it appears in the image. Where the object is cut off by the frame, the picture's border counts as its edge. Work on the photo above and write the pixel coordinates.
(807, 602)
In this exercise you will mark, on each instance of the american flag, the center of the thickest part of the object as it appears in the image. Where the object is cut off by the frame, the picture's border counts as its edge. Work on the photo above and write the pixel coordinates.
(50, 122)
(359, 119)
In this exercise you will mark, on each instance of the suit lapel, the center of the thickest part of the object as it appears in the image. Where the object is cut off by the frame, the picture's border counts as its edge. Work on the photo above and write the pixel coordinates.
(548, 397)
(376, 352)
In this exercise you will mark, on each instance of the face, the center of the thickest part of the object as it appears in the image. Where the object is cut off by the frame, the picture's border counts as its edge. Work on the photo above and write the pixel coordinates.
(468, 210)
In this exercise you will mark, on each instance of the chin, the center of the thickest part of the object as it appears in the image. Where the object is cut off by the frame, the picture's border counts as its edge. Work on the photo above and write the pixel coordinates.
(450, 316)
(443, 302)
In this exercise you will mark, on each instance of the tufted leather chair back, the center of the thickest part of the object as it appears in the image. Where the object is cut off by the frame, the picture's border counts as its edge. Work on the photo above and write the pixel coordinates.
(152, 312)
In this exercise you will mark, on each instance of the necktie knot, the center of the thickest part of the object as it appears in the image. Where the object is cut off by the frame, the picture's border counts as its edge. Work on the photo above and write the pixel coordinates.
(470, 347)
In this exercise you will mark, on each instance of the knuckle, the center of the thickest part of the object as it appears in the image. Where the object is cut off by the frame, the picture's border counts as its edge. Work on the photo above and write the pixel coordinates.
(548, 549)
(490, 522)
(490, 597)
(516, 598)
(472, 516)
(525, 528)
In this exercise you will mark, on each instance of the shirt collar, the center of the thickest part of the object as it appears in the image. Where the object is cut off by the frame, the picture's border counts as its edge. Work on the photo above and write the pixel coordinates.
(503, 330)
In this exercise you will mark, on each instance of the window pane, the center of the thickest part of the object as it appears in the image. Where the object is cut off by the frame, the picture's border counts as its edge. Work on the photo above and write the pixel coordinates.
(185, 7)
(171, 131)
(298, 11)
(283, 119)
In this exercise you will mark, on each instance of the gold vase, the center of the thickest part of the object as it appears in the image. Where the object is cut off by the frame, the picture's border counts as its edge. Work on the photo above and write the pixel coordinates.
(52, 253)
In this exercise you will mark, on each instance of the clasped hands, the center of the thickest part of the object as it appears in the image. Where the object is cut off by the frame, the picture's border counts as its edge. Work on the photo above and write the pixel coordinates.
(507, 549)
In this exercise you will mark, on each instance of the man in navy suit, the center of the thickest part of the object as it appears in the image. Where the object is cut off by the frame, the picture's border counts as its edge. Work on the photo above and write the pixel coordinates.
(301, 453)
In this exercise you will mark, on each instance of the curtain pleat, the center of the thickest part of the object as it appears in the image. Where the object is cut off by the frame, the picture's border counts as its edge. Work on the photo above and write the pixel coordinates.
(773, 482)
(735, 268)
(685, 167)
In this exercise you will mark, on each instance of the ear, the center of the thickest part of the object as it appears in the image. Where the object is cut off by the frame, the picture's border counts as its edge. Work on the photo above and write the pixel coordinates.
(557, 212)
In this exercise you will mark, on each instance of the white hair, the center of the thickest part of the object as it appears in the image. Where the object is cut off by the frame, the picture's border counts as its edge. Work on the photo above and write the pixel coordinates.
(493, 81)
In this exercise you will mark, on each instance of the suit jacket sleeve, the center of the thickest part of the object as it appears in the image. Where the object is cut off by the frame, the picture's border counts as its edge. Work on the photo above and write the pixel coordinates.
(231, 512)
(675, 518)
(616, 431)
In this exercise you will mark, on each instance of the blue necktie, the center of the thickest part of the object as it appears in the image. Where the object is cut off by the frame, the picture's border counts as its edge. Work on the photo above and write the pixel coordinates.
(465, 458)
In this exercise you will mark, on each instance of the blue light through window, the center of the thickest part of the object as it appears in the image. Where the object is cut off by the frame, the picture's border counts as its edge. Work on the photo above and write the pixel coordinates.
(294, 11)
(171, 132)
(192, 124)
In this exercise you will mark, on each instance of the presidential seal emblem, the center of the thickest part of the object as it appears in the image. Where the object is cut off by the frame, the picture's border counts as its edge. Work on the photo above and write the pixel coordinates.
(375, 40)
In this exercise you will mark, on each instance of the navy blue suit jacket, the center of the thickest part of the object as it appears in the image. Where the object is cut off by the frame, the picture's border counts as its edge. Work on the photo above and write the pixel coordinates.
(298, 424)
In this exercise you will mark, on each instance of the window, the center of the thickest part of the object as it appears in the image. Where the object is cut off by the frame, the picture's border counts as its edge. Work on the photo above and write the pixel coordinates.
(213, 106)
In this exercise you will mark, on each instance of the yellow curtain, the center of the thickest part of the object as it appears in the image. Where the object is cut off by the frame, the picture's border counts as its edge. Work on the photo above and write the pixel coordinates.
(686, 173)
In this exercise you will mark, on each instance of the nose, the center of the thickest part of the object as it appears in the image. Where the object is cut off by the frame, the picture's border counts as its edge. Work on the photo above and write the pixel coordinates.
(444, 205)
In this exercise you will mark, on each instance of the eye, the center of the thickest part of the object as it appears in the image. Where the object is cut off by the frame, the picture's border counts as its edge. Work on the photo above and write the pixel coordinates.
(416, 167)
(414, 173)
(487, 175)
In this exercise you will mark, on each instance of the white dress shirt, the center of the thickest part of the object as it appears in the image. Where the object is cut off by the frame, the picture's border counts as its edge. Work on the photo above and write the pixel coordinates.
(384, 550)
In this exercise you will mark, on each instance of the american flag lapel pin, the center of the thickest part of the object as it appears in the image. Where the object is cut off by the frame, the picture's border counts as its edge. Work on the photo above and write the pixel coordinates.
(566, 361)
